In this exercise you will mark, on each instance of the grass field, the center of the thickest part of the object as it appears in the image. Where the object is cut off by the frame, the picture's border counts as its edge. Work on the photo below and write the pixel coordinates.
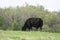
(32, 35)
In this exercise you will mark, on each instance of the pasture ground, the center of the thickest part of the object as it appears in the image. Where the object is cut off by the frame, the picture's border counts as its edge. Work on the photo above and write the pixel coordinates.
(26, 35)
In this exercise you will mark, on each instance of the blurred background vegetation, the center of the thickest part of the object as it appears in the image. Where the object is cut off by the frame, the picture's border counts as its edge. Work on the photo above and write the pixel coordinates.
(14, 18)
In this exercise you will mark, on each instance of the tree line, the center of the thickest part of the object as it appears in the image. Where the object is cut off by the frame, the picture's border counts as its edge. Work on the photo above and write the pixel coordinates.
(14, 18)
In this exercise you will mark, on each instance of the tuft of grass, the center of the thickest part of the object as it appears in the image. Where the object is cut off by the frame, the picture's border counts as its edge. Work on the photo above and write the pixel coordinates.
(26, 35)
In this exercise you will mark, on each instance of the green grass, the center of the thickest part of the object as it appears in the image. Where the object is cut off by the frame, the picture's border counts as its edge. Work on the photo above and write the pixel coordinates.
(32, 35)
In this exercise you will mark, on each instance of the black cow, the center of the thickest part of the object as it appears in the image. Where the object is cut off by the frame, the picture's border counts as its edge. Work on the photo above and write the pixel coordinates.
(33, 22)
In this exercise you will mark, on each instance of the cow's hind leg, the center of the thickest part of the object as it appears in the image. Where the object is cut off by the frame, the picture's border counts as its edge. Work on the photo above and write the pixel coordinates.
(41, 28)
